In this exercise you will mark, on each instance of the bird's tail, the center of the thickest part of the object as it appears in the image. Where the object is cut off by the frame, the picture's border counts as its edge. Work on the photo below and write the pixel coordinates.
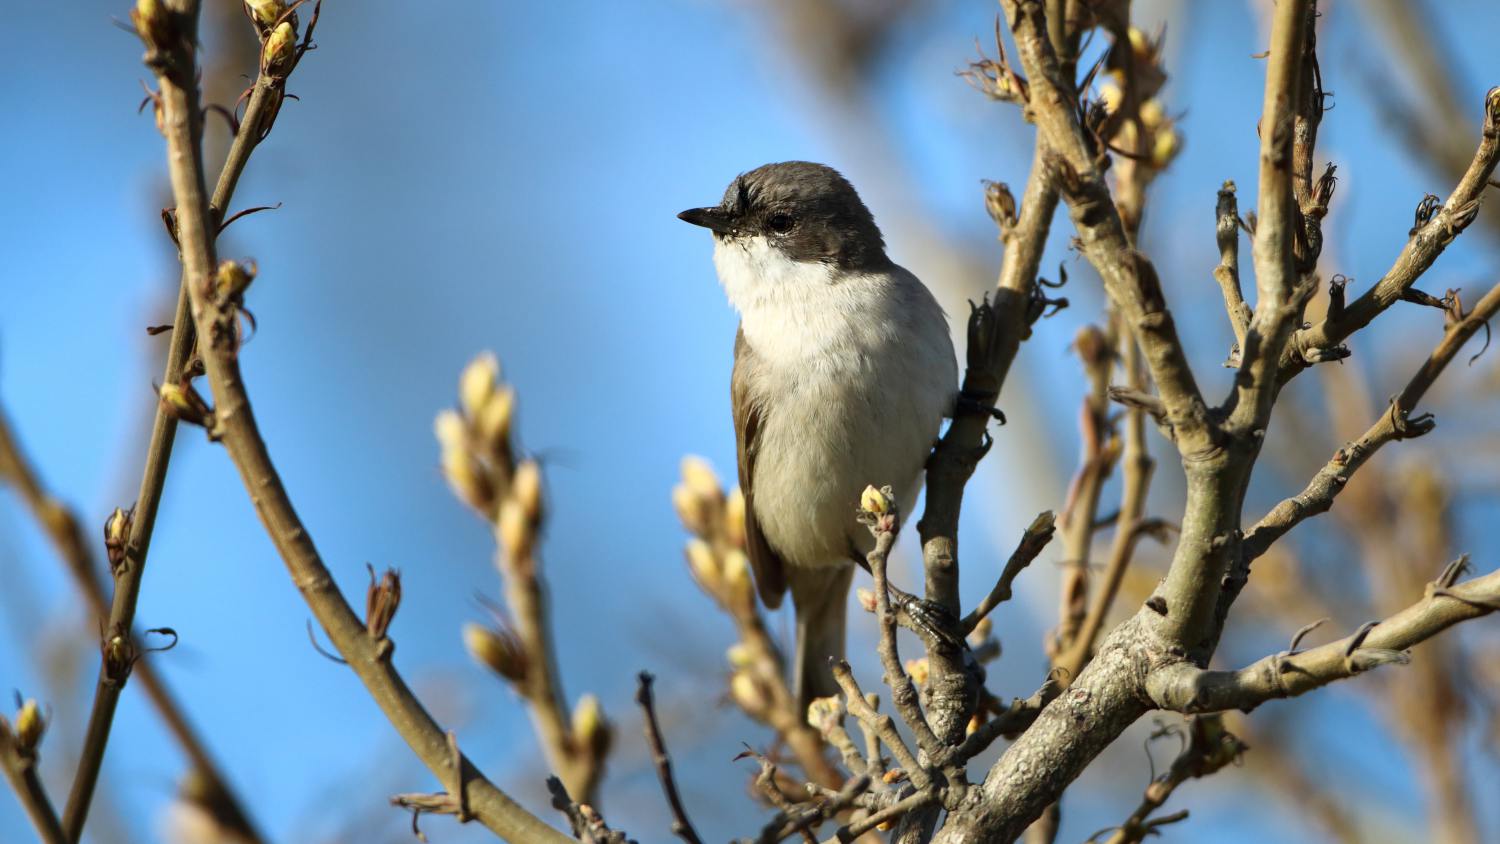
(821, 597)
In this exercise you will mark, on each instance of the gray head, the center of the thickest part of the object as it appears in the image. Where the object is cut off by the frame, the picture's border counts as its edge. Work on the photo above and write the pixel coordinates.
(808, 211)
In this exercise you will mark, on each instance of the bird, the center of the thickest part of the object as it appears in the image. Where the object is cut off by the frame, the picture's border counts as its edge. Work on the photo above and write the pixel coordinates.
(843, 373)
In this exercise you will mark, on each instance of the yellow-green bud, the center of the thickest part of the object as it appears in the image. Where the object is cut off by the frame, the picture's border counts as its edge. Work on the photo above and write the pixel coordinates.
(704, 565)
(477, 383)
(736, 573)
(1165, 148)
(739, 655)
(690, 510)
(874, 501)
(526, 489)
(280, 50)
(747, 693)
(515, 529)
(824, 712)
(451, 432)
(492, 422)
(590, 729)
(700, 478)
(232, 279)
(152, 22)
(29, 725)
(918, 669)
(116, 535)
(265, 12)
(497, 650)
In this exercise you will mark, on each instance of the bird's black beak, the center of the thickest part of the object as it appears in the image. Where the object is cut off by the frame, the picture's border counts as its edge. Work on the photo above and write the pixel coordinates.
(716, 220)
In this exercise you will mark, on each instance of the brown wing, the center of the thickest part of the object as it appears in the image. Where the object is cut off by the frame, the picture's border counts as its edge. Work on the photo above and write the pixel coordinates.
(770, 571)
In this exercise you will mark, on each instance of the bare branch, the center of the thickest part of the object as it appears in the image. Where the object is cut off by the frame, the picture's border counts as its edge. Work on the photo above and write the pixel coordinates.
(172, 58)
(18, 758)
(681, 826)
(1184, 687)
(1227, 273)
(1425, 243)
(1209, 748)
(1129, 278)
(1036, 537)
(1394, 424)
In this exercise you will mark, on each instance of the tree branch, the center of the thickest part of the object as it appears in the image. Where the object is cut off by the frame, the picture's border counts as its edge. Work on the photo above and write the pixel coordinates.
(18, 758)
(1277, 304)
(171, 56)
(265, 99)
(1184, 687)
(1129, 278)
(681, 826)
(1427, 240)
(1394, 424)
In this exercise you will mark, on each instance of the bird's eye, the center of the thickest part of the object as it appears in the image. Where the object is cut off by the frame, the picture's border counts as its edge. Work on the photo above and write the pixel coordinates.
(780, 223)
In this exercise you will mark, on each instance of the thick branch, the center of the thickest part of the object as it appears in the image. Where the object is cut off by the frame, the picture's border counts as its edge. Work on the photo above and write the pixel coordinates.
(1186, 688)
(1129, 278)
(235, 422)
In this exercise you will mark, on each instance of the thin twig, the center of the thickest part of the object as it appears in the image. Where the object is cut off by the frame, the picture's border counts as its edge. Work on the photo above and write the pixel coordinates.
(681, 826)
(259, 114)
(174, 64)
(1394, 423)
(1036, 537)
(61, 526)
(20, 768)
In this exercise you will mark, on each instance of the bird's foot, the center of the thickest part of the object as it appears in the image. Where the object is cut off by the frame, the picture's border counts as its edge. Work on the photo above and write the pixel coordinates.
(928, 619)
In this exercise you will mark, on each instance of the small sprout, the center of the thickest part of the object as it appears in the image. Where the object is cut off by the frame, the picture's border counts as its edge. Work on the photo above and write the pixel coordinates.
(465, 476)
(690, 510)
(119, 658)
(824, 713)
(29, 726)
(705, 566)
(116, 536)
(232, 279)
(736, 573)
(1000, 204)
(526, 490)
(498, 650)
(1110, 96)
(747, 693)
(183, 402)
(1152, 114)
(382, 598)
(700, 479)
(153, 23)
(280, 50)
(866, 598)
(734, 518)
(517, 531)
(477, 383)
(492, 420)
(874, 501)
(918, 669)
(1165, 147)
(264, 13)
(739, 655)
(590, 729)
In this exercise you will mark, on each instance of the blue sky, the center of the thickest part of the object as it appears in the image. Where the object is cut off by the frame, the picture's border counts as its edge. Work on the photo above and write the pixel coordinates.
(466, 176)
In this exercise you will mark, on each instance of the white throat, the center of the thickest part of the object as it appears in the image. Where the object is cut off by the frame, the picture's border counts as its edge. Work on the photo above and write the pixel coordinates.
(792, 309)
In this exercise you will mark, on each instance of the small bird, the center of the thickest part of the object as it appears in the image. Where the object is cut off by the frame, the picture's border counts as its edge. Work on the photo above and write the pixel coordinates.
(843, 373)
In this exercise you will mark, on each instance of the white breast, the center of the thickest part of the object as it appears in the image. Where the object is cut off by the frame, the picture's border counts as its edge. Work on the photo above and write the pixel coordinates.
(857, 371)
